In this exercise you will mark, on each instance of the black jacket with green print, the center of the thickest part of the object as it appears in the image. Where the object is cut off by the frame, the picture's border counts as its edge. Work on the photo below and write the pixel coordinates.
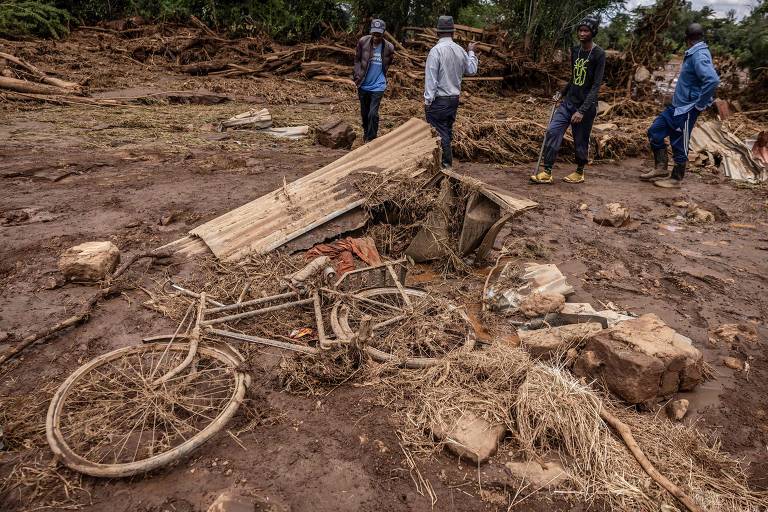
(586, 76)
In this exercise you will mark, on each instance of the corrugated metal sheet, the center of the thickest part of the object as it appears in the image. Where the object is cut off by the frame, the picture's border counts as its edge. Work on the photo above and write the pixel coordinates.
(737, 162)
(280, 216)
(508, 201)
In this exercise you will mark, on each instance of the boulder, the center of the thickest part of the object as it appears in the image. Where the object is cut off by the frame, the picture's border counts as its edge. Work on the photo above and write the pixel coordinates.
(677, 409)
(335, 133)
(470, 437)
(733, 363)
(612, 214)
(548, 343)
(641, 360)
(91, 261)
(539, 304)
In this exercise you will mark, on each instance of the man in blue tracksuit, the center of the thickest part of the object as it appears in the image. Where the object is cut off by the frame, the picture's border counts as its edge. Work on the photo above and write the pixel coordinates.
(694, 92)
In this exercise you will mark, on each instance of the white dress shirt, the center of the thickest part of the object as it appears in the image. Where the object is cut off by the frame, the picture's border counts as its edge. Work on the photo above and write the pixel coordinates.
(446, 65)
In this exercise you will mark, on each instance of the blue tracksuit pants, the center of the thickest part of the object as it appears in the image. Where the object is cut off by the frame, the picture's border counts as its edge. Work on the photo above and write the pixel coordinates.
(556, 131)
(677, 128)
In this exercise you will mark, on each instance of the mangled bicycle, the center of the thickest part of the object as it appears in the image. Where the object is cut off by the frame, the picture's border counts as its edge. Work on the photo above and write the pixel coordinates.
(142, 407)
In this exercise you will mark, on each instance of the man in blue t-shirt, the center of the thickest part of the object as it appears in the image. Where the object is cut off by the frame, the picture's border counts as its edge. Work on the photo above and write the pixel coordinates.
(372, 59)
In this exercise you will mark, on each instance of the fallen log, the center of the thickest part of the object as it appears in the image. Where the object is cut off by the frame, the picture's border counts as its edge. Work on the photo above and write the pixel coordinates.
(14, 84)
(328, 78)
(40, 74)
(60, 100)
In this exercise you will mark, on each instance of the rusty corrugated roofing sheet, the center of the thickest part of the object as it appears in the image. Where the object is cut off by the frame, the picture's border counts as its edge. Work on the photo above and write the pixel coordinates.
(280, 216)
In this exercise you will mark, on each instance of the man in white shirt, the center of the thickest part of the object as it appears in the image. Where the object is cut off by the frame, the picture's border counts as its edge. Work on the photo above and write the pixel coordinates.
(446, 65)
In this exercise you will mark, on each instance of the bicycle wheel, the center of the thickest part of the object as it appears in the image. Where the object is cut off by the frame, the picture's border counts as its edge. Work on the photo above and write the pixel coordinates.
(416, 335)
(108, 420)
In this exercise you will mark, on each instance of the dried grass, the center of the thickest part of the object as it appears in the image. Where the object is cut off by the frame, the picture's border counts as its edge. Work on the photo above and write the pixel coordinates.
(547, 409)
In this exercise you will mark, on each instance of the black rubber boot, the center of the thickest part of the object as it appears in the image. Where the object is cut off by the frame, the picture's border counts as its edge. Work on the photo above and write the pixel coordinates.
(660, 166)
(678, 173)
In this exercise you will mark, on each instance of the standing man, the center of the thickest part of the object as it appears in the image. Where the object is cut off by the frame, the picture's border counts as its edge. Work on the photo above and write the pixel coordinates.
(446, 65)
(694, 92)
(372, 59)
(579, 106)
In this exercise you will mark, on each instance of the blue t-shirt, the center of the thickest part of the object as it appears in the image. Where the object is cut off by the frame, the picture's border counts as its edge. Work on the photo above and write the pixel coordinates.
(374, 78)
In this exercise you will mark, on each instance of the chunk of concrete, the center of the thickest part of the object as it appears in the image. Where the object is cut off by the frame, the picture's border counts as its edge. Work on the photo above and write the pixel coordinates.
(91, 261)
(612, 214)
(641, 360)
(548, 343)
(539, 304)
(470, 437)
(335, 133)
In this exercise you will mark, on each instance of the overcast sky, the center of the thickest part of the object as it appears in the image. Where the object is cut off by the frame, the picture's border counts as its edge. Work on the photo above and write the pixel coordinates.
(742, 7)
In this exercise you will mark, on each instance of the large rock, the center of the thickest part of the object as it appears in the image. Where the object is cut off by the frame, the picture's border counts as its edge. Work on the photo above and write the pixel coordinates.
(91, 261)
(641, 360)
(470, 437)
(547, 343)
(612, 214)
(539, 304)
(335, 133)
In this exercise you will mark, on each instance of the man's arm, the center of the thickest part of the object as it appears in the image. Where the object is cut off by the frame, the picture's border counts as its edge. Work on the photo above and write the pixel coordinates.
(567, 86)
(705, 70)
(591, 100)
(470, 67)
(358, 61)
(430, 77)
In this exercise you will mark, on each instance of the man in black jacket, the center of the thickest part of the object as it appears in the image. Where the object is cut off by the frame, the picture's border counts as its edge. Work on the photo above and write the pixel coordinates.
(372, 59)
(579, 106)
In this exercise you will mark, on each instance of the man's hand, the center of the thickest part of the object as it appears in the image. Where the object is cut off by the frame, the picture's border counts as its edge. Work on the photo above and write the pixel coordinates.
(471, 47)
(577, 117)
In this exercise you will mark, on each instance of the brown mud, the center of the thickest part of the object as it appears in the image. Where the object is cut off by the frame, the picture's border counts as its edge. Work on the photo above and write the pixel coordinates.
(142, 176)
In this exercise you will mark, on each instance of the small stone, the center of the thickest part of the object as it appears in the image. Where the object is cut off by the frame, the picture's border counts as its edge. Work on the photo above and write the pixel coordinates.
(228, 472)
(681, 204)
(730, 334)
(539, 304)
(549, 474)
(91, 261)
(583, 206)
(335, 133)
(733, 363)
(228, 502)
(380, 446)
(4, 336)
(700, 215)
(214, 464)
(642, 74)
(677, 409)
(470, 437)
(612, 214)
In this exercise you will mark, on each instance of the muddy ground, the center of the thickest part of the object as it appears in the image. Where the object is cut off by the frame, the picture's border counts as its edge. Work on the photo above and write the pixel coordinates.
(143, 175)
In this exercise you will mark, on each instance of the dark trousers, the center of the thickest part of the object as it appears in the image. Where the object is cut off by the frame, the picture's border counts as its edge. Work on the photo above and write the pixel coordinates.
(556, 131)
(369, 111)
(441, 114)
(677, 128)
